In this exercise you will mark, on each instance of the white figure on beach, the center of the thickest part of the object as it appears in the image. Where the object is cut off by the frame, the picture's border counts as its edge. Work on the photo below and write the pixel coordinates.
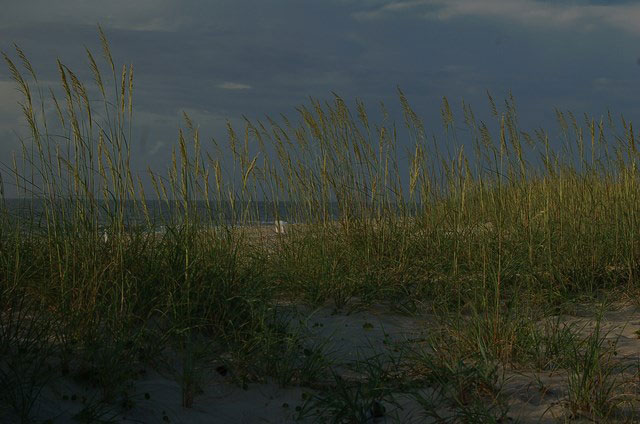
(280, 227)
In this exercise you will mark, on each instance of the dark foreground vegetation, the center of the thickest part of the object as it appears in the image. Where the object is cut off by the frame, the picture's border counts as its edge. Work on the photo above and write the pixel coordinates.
(497, 253)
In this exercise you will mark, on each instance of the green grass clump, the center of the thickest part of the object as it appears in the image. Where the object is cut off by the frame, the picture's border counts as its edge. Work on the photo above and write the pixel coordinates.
(592, 378)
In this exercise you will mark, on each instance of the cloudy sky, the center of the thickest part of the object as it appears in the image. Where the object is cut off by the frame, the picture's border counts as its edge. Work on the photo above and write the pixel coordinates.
(221, 59)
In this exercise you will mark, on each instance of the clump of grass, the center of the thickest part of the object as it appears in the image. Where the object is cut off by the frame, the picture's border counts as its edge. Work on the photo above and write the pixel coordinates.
(457, 386)
(109, 360)
(548, 345)
(366, 393)
(593, 377)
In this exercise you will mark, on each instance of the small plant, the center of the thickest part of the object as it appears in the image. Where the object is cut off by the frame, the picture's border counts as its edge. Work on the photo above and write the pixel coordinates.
(463, 392)
(94, 410)
(110, 361)
(281, 353)
(452, 386)
(592, 379)
(548, 344)
(193, 372)
(191, 363)
(368, 394)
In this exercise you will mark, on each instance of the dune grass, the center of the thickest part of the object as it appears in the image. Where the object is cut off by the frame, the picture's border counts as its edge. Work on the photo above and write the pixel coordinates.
(490, 244)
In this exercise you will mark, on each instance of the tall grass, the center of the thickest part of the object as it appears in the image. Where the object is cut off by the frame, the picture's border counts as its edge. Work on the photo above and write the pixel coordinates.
(527, 220)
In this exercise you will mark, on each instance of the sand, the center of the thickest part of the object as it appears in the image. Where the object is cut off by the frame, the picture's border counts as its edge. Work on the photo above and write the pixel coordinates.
(156, 396)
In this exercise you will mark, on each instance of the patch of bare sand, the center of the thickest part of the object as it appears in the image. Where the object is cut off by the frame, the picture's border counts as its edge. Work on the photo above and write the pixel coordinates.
(157, 397)
(533, 397)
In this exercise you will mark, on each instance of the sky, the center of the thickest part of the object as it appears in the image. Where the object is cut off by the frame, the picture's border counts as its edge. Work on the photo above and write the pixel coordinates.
(218, 60)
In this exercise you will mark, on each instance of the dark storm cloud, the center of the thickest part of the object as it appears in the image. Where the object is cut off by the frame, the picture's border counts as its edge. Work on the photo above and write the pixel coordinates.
(219, 59)
(580, 15)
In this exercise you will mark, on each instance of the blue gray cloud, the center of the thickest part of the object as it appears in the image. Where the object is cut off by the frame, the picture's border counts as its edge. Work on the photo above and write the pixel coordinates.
(228, 58)
(581, 16)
